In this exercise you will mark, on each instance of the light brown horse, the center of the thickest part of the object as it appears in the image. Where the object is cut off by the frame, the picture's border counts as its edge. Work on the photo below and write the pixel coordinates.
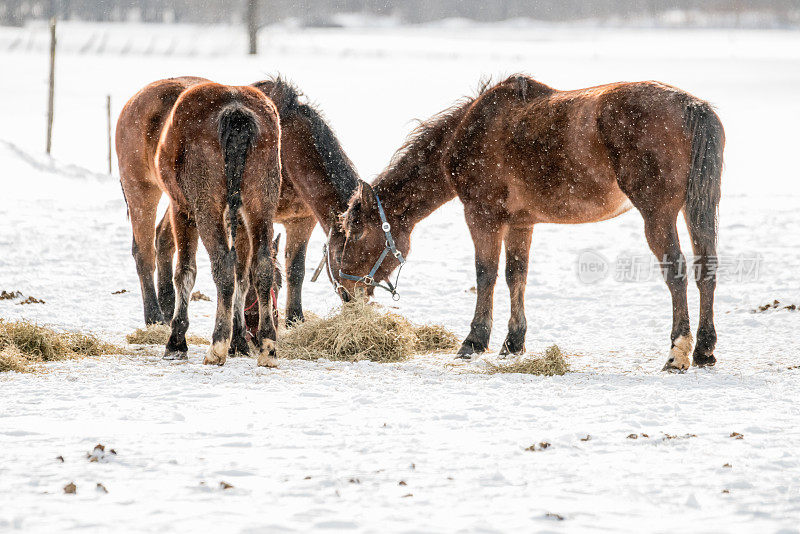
(523, 153)
(218, 158)
(318, 180)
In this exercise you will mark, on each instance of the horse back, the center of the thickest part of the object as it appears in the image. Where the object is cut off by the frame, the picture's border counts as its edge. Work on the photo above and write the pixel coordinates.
(142, 119)
(190, 152)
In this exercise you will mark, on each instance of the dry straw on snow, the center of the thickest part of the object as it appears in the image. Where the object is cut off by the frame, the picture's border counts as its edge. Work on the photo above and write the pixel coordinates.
(23, 343)
(362, 331)
(549, 364)
(158, 334)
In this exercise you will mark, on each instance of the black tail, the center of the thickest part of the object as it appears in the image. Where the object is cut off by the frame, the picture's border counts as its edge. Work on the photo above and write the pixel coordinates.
(703, 191)
(237, 132)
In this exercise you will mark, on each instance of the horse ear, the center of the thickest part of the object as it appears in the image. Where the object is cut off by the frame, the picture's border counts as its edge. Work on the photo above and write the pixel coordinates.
(367, 197)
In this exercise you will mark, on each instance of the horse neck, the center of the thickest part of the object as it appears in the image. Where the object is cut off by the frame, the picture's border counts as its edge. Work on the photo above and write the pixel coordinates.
(416, 184)
(323, 186)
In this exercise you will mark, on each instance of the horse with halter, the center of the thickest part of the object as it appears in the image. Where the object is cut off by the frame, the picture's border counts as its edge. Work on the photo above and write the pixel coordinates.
(522, 153)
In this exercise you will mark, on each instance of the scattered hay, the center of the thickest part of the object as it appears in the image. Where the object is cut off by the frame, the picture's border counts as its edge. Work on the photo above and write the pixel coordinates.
(120, 292)
(362, 331)
(435, 338)
(158, 334)
(550, 364)
(23, 343)
(199, 296)
(775, 305)
(9, 295)
(538, 447)
(31, 300)
(12, 359)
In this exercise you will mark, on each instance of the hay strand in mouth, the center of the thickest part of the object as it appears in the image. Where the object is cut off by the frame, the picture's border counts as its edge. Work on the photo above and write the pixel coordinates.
(551, 363)
(158, 334)
(362, 331)
(23, 343)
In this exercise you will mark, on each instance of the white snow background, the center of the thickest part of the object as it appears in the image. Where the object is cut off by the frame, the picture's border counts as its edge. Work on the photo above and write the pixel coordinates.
(325, 446)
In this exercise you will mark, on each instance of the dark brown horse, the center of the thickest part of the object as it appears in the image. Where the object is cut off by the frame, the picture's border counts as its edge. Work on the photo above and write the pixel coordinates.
(523, 153)
(318, 180)
(218, 158)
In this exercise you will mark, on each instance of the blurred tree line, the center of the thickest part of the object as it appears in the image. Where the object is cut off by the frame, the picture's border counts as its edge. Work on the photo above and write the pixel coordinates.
(320, 12)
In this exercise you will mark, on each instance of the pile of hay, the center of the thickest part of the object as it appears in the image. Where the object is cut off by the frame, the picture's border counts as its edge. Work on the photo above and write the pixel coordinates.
(23, 344)
(549, 364)
(158, 334)
(362, 331)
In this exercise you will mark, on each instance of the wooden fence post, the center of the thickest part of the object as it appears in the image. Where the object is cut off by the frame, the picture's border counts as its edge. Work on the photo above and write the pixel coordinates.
(108, 124)
(252, 25)
(51, 93)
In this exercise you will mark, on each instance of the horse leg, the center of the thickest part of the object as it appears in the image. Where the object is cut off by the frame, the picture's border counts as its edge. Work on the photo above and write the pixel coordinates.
(705, 274)
(142, 205)
(298, 232)
(518, 246)
(488, 241)
(263, 278)
(662, 236)
(185, 239)
(214, 234)
(239, 340)
(165, 250)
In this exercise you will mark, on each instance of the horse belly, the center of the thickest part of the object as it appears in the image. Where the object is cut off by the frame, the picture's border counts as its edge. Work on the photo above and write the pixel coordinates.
(573, 198)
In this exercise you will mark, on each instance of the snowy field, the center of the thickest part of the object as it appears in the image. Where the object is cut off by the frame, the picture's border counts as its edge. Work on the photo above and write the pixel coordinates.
(427, 445)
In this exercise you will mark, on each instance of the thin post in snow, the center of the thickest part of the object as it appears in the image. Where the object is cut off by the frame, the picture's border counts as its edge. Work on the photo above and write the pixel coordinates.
(108, 128)
(252, 25)
(51, 93)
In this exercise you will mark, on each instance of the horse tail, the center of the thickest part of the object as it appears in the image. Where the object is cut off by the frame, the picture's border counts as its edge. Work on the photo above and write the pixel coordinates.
(705, 173)
(237, 132)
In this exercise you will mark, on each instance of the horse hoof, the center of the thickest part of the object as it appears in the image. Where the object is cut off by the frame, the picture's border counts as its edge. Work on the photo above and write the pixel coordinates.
(509, 350)
(672, 367)
(239, 347)
(175, 355)
(468, 348)
(217, 354)
(679, 354)
(703, 360)
(267, 358)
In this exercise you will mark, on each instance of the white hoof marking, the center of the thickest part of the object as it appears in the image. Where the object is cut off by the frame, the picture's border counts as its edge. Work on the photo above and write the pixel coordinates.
(217, 354)
(267, 356)
(679, 354)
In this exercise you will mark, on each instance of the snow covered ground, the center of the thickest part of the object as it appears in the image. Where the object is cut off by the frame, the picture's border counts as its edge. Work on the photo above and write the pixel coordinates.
(427, 445)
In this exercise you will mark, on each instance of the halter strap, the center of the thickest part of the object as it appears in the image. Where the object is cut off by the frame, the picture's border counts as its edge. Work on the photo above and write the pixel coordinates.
(389, 247)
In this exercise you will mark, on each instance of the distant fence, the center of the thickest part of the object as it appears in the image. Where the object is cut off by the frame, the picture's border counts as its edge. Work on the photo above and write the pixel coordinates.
(137, 39)
(322, 12)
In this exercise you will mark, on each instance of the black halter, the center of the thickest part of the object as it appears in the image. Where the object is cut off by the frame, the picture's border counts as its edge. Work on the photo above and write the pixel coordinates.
(369, 279)
(389, 247)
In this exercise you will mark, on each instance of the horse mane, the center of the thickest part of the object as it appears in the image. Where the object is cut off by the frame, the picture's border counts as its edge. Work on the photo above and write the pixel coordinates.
(338, 167)
(426, 132)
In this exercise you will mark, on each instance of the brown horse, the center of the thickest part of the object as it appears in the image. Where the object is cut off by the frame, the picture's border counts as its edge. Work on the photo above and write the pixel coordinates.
(218, 158)
(522, 153)
(318, 180)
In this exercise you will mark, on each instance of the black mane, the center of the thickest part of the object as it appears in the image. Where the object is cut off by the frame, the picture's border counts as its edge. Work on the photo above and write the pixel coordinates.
(337, 165)
(427, 136)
